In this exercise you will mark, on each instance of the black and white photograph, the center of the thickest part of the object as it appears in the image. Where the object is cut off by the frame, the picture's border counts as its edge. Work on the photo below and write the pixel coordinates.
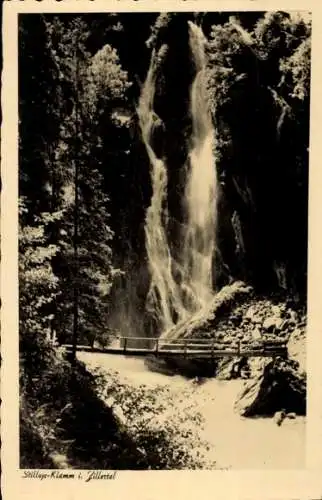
(163, 240)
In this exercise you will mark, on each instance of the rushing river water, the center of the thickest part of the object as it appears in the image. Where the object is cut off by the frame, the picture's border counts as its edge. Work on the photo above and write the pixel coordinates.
(235, 442)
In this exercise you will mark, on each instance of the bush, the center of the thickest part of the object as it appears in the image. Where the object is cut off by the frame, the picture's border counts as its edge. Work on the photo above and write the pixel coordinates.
(33, 450)
(164, 431)
(67, 412)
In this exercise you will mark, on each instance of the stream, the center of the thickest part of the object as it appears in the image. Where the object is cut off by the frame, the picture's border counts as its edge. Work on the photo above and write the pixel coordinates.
(235, 442)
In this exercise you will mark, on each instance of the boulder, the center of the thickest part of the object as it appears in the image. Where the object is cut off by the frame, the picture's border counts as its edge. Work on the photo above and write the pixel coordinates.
(276, 310)
(297, 347)
(225, 369)
(236, 318)
(250, 313)
(280, 387)
(60, 461)
(273, 324)
(256, 365)
(203, 323)
(269, 324)
(293, 317)
(256, 334)
(232, 368)
(279, 417)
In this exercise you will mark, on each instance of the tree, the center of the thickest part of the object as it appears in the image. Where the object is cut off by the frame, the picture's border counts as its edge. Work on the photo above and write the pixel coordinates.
(93, 86)
(38, 289)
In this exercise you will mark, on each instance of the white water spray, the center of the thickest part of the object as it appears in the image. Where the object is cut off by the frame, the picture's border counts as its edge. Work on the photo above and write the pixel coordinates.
(164, 298)
(201, 188)
(174, 299)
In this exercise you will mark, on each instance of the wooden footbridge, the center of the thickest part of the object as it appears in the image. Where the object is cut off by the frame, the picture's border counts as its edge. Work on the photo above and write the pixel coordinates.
(187, 348)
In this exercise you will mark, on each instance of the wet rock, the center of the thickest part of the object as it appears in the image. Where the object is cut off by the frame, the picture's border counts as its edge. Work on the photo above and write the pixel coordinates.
(297, 347)
(269, 324)
(225, 369)
(207, 319)
(272, 324)
(250, 313)
(285, 325)
(293, 317)
(245, 372)
(275, 310)
(256, 334)
(236, 318)
(257, 366)
(233, 368)
(279, 417)
(280, 387)
(60, 461)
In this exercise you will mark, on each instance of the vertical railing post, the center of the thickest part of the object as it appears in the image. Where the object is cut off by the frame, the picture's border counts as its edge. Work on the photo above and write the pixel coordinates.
(124, 345)
(156, 346)
(213, 355)
(185, 348)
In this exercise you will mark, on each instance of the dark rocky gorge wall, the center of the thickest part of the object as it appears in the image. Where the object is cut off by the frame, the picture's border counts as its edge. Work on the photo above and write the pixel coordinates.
(261, 159)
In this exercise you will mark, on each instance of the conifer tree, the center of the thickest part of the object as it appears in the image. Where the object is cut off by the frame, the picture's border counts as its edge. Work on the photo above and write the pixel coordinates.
(84, 91)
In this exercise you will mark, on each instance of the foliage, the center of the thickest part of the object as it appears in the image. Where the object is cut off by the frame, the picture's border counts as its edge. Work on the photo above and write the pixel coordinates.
(159, 28)
(87, 88)
(79, 420)
(259, 87)
(33, 452)
(164, 429)
(297, 70)
(38, 290)
(106, 62)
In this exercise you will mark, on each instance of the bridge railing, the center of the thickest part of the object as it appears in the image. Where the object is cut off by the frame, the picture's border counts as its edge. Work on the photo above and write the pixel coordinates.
(191, 347)
(189, 344)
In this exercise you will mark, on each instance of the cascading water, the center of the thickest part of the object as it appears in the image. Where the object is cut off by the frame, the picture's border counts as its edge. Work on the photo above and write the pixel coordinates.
(174, 299)
(164, 298)
(201, 187)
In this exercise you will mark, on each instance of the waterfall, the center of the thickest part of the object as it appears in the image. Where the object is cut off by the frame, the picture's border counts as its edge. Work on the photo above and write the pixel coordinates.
(164, 298)
(201, 186)
(173, 299)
